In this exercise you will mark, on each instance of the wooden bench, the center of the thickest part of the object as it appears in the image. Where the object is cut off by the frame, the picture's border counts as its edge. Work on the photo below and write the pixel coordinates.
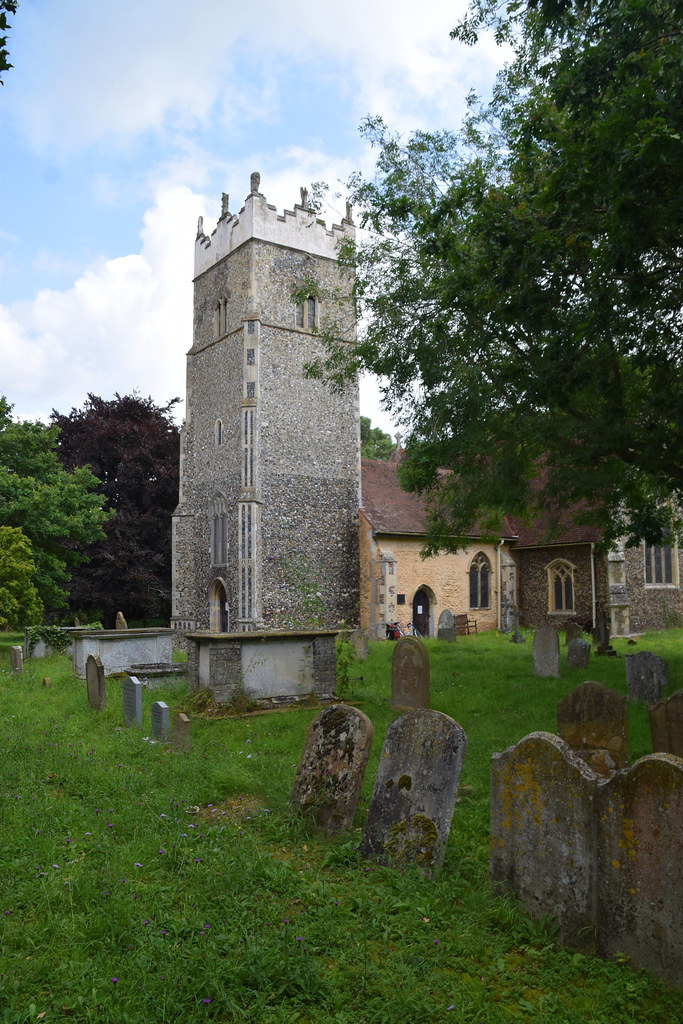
(464, 626)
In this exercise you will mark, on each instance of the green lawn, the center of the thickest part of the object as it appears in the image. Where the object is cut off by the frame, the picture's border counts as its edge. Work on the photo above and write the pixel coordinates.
(143, 885)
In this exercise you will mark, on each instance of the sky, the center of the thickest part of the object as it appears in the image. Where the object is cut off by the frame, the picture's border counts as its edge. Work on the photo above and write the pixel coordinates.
(122, 123)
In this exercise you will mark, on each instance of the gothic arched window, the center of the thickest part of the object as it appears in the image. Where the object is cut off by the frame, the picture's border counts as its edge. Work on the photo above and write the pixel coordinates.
(560, 586)
(219, 531)
(480, 577)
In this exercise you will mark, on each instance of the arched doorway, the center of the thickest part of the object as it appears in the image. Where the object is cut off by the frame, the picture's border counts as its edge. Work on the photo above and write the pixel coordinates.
(421, 606)
(220, 620)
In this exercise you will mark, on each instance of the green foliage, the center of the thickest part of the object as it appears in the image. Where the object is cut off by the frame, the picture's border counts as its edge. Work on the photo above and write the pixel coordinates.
(54, 638)
(6, 7)
(521, 282)
(374, 443)
(19, 600)
(58, 511)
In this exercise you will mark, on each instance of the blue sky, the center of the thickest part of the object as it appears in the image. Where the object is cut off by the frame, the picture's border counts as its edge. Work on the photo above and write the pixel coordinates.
(121, 123)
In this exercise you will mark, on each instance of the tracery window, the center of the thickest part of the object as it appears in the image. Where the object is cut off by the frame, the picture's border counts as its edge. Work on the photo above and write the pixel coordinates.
(480, 576)
(561, 586)
(660, 564)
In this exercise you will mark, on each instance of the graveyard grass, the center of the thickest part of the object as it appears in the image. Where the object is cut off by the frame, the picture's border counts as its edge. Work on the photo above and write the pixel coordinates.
(142, 885)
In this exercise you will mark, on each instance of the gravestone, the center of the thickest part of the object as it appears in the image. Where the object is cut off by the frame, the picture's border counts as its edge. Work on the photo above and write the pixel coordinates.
(330, 774)
(410, 674)
(516, 638)
(601, 632)
(547, 652)
(412, 803)
(578, 653)
(95, 683)
(160, 721)
(132, 701)
(646, 676)
(47, 683)
(181, 735)
(16, 659)
(446, 627)
(358, 639)
(121, 621)
(542, 837)
(594, 718)
(572, 631)
(666, 725)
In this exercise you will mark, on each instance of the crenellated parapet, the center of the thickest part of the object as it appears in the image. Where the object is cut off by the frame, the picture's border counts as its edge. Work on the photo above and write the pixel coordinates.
(299, 229)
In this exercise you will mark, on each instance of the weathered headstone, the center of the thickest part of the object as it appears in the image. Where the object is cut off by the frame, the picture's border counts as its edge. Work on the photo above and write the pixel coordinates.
(572, 631)
(121, 621)
(646, 676)
(666, 725)
(578, 653)
(515, 615)
(547, 652)
(594, 718)
(95, 682)
(542, 837)
(412, 803)
(446, 627)
(16, 659)
(330, 774)
(132, 701)
(181, 735)
(358, 639)
(601, 632)
(640, 841)
(410, 674)
(160, 721)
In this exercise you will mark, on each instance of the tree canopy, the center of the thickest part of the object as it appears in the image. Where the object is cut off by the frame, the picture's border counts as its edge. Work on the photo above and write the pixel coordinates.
(6, 7)
(58, 511)
(20, 604)
(374, 443)
(521, 283)
(132, 447)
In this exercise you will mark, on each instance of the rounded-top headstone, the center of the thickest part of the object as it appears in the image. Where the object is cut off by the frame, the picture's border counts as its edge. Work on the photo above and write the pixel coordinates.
(95, 682)
(410, 674)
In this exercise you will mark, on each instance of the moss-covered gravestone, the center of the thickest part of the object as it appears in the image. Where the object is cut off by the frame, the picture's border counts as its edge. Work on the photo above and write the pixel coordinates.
(328, 780)
(410, 813)
(593, 718)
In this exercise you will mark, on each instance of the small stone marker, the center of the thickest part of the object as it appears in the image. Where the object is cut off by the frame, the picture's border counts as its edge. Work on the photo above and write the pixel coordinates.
(47, 683)
(95, 682)
(160, 721)
(446, 627)
(330, 773)
(415, 788)
(646, 676)
(16, 659)
(132, 701)
(547, 652)
(593, 720)
(121, 621)
(572, 631)
(666, 725)
(410, 674)
(181, 736)
(578, 653)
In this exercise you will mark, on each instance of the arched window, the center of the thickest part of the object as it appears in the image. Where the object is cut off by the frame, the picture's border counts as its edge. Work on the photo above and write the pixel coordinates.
(307, 313)
(480, 576)
(560, 586)
(219, 531)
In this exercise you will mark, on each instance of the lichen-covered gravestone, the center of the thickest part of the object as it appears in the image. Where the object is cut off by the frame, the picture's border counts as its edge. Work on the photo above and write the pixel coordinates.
(572, 631)
(646, 676)
(181, 735)
(593, 720)
(578, 653)
(666, 725)
(358, 639)
(547, 652)
(95, 682)
(328, 780)
(410, 674)
(160, 721)
(132, 701)
(16, 659)
(410, 813)
(446, 627)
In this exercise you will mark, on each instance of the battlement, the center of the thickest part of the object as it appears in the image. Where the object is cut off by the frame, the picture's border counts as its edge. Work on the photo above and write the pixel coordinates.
(297, 229)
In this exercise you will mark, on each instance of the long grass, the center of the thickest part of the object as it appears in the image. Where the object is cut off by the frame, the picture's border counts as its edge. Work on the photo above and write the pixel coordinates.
(144, 885)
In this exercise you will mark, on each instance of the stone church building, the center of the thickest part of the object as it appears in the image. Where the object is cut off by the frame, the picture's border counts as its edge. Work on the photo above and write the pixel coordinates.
(278, 523)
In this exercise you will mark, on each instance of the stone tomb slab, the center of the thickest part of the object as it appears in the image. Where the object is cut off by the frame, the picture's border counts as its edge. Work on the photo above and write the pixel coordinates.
(666, 725)
(410, 674)
(95, 682)
(330, 774)
(594, 718)
(646, 676)
(412, 803)
(547, 652)
(181, 735)
(132, 701)
(160, 721)
(446, 627)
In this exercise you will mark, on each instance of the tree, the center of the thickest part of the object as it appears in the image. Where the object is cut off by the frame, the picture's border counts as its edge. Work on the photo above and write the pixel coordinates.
(6, 7)
(59, 512)
(374, 443)
(20, 604)
(521, 282)
(132, 447)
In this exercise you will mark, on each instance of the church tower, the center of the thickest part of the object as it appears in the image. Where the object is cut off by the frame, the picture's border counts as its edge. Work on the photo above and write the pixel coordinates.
(265, 534)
